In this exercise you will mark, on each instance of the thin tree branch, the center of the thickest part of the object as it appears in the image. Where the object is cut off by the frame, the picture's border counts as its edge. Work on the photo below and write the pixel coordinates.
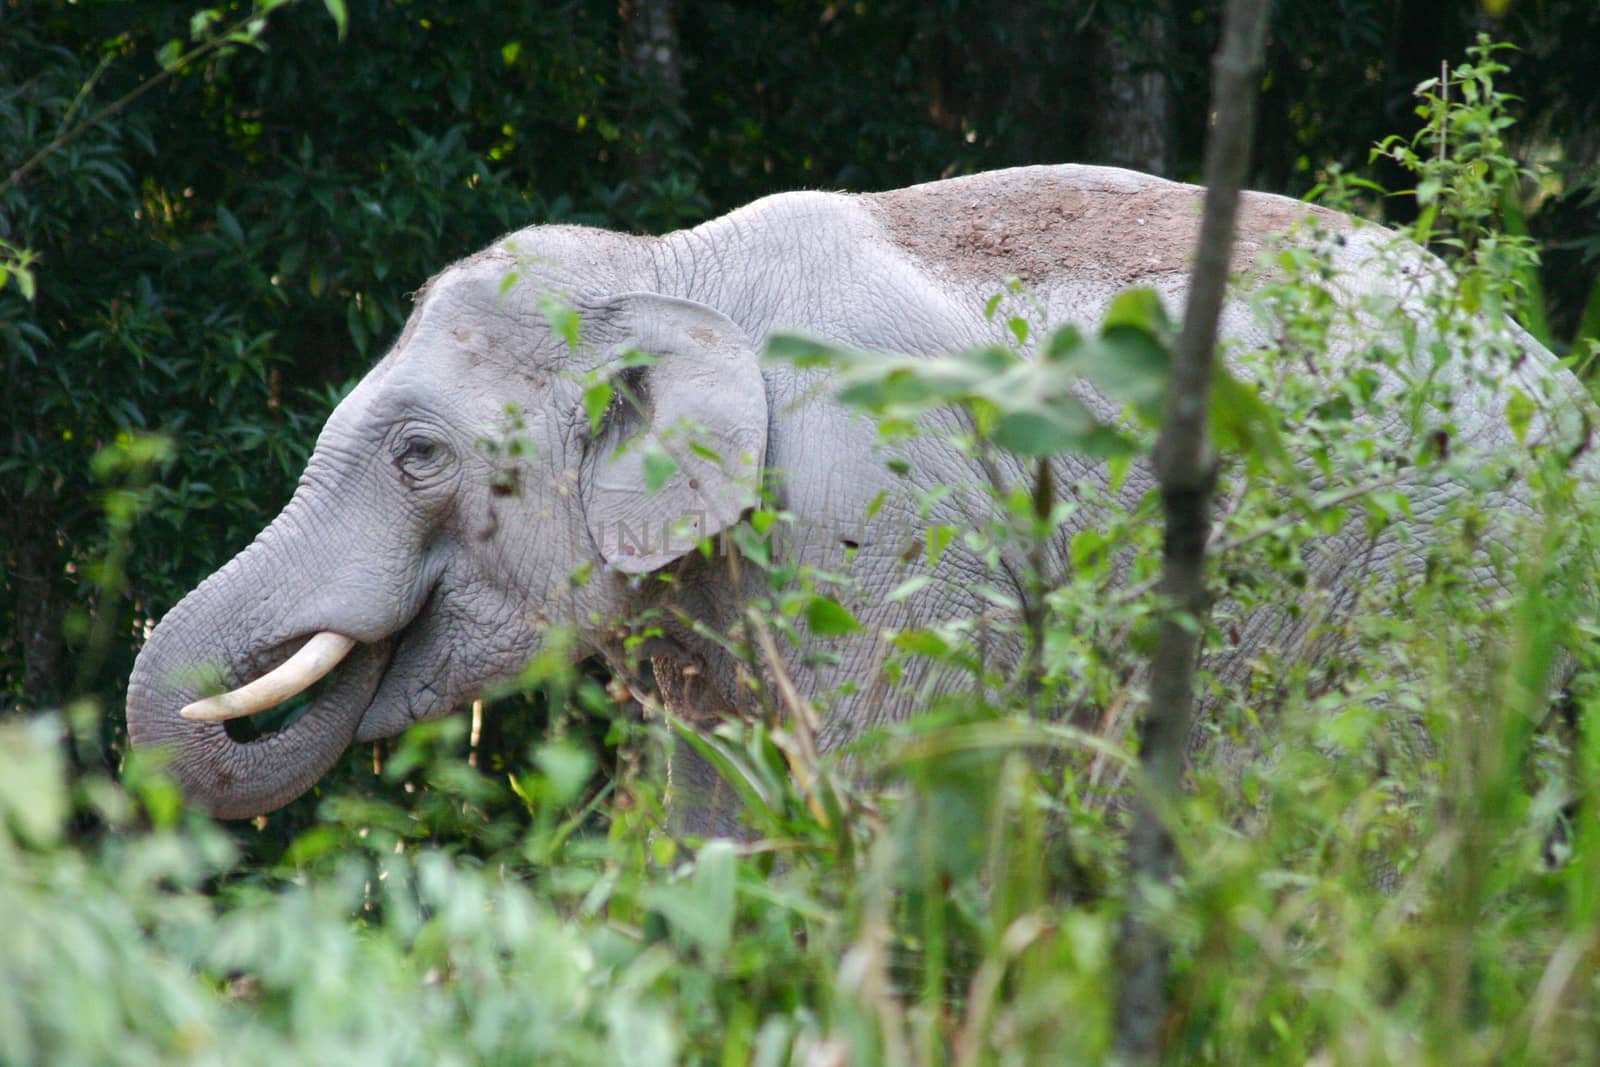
(1186, 472)
(66, 137)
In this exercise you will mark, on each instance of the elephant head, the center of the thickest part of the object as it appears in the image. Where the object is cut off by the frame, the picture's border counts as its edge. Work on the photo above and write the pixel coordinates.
(459, 501)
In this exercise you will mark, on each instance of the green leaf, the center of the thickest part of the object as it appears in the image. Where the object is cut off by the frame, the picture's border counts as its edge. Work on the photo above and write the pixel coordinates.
(635, 358)
(358, 329)
(1035, 427)
(877, 383)
(1131, 367)
(566, 768)
(922, 643)
(563, 320)
(1086, 547)
(939, 538)
(658, 470)
(1520, 410)
(1117, 469)
(596, 399)
(1140, 309)
(170, 54)
(828, 618)
(1422, 229)
(1062, 344)
(312, 844)
(1241, 421)
(341, 17)
(805, 351)
(1336, 409)
(705, 453)
(230, 225)
(701, 911)
(33, 794)
(201, 21)
(909, 588)
(1384, 508)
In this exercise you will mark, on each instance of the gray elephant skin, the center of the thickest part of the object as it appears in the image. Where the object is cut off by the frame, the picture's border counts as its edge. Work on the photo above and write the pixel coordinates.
(442, 563)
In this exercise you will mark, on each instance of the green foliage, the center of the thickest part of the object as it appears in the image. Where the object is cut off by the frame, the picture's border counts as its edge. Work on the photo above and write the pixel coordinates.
(17, 263)
(1031, 406)
(828, 618)
(1461, 154)
(1366, 829)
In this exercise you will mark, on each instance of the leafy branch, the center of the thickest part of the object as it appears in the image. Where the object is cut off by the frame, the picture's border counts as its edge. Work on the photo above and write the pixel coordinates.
(213, 37)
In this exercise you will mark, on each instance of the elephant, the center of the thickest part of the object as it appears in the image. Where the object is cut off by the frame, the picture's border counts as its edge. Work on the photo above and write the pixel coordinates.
(466, 497)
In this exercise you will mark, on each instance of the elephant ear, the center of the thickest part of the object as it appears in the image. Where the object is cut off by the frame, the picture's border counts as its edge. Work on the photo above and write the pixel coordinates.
(678, 455)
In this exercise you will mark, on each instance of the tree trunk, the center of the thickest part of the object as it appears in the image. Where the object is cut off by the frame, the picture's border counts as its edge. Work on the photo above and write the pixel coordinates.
(1185, 470)
(1132, 123)
(651, 56)
(40, 609)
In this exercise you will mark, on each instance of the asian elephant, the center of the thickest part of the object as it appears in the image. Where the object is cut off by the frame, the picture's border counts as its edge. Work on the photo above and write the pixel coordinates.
(461, 501)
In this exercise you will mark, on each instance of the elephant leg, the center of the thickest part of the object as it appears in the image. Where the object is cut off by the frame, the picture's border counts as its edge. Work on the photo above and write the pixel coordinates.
(699, 802)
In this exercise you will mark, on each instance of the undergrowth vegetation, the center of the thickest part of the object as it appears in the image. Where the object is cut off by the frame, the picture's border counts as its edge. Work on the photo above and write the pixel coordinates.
(1390, 851)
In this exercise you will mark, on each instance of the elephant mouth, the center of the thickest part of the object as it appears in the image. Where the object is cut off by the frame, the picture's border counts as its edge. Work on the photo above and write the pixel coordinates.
(302, 676)
(291, 672)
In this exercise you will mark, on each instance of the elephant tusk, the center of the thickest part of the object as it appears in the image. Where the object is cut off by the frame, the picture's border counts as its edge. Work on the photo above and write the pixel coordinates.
(295, 675)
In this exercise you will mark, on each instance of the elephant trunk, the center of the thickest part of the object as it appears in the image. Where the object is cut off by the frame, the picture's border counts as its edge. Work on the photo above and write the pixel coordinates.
(209, 641)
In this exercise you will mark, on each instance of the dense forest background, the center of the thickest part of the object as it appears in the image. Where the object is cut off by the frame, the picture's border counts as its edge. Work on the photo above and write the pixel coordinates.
(224, 253)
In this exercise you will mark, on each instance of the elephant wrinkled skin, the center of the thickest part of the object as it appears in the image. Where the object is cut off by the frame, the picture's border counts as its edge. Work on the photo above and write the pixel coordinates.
(444, 560)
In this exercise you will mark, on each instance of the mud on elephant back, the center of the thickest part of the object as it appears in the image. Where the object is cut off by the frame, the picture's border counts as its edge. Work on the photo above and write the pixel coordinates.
(417, 566)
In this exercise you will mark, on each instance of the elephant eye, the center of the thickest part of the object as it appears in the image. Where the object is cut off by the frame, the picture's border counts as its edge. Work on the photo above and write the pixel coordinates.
(421, 460)
(419, 449)
(630, 394)
(417, 456)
